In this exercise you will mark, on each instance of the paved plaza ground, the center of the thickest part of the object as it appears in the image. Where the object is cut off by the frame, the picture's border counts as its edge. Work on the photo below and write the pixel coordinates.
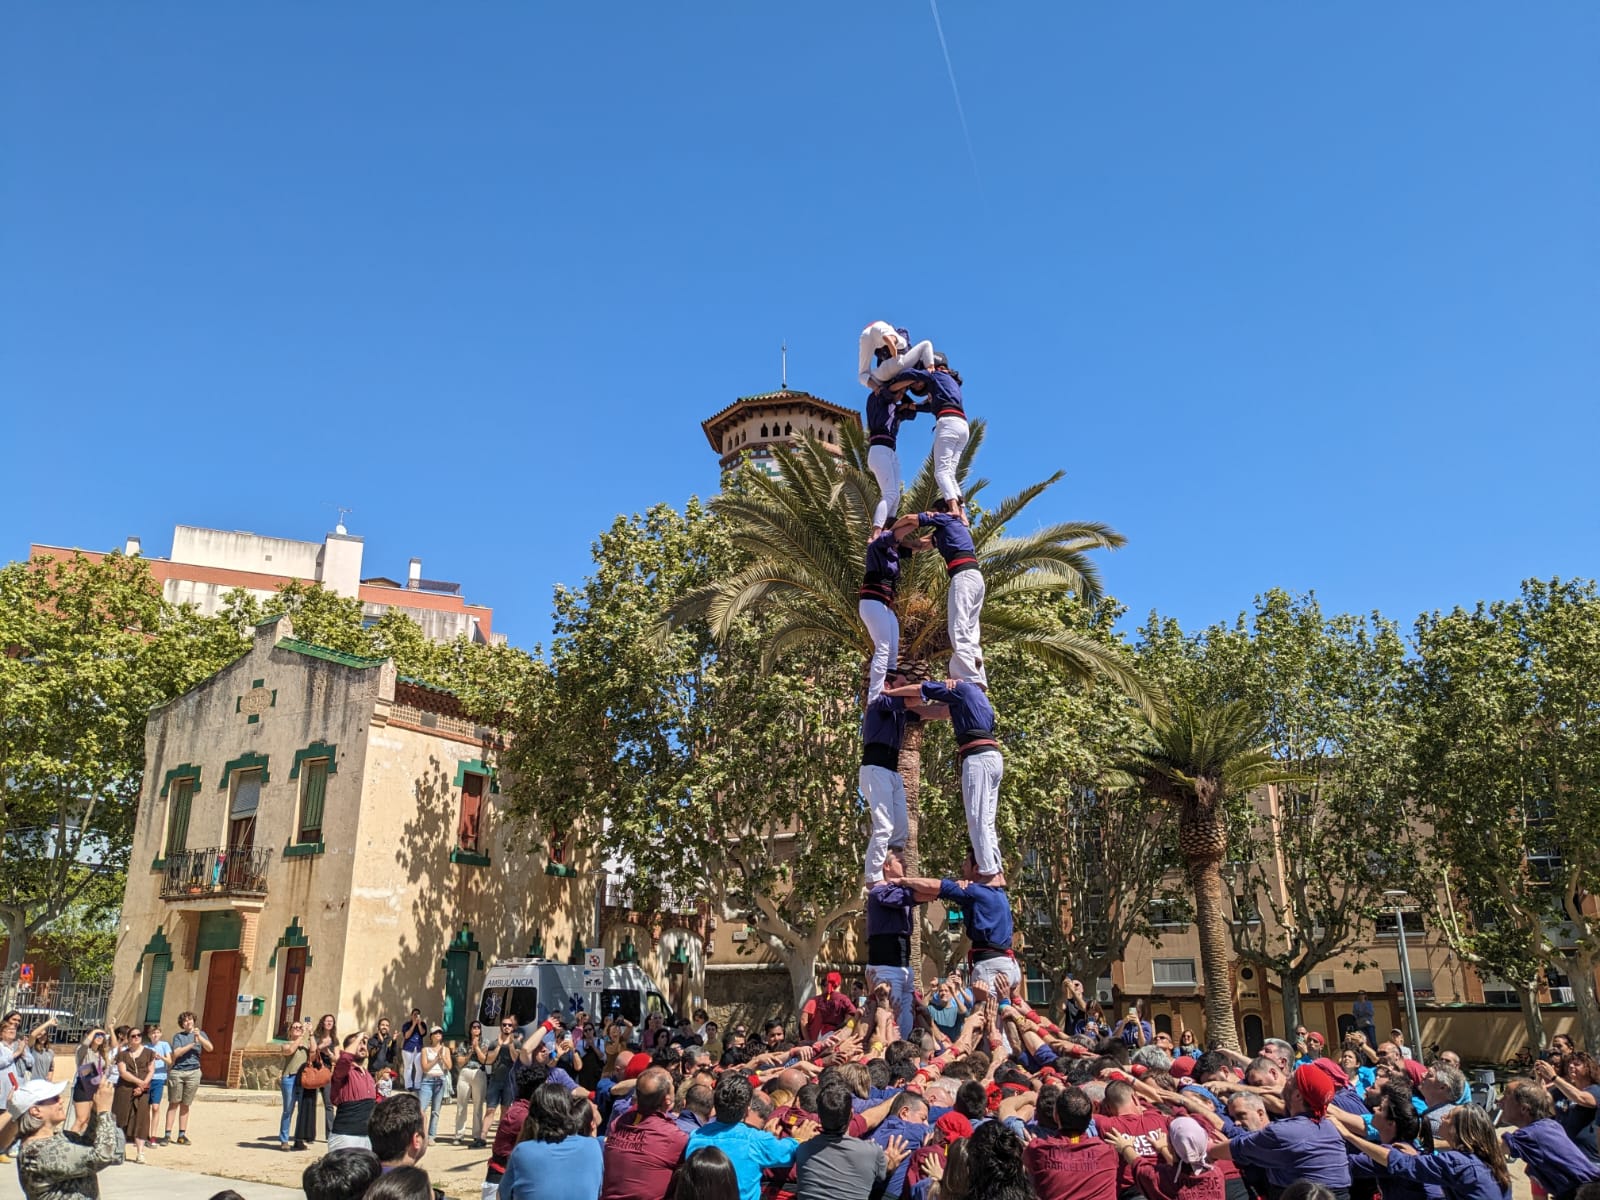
(235, 1136)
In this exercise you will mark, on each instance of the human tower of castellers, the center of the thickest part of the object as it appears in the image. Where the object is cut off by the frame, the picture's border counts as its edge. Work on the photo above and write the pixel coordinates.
(905, 379)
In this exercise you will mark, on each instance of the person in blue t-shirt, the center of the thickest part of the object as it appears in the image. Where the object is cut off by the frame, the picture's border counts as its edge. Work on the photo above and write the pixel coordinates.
(986, 912)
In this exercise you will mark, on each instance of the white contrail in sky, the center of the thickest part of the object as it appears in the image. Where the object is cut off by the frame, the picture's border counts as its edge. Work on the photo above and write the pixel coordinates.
(955, 90)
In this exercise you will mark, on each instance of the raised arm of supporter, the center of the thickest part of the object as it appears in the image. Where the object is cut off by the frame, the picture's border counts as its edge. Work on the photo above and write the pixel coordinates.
(1149, 1094)
(1348, 1122)
(1357, 1041)
(1162, 1146)
(1378, 1154)
(1021, 1106)
(342, 1069)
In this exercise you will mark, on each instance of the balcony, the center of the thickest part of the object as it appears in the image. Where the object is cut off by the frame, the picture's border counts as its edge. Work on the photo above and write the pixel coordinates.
(216, 873)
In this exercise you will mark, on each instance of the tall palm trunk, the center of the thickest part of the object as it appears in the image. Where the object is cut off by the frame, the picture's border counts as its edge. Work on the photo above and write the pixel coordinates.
(1210, 918)
(1203, 842)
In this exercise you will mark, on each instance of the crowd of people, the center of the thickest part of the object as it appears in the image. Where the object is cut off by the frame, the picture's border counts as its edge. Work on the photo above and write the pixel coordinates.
(1002, 1103)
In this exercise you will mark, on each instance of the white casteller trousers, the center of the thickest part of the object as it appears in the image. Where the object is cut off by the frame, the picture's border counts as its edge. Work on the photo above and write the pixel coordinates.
(884, 628)
(1000, 975)
(885, 793)
(950, 437)
(884, 462)
(899, 981)
(964, 618)
(981, 772)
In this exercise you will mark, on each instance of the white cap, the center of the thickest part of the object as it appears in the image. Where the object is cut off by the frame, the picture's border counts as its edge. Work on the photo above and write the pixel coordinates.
(35, 1091)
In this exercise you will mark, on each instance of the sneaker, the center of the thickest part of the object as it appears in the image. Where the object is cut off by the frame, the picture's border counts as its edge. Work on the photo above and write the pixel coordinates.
(139, 1158)
(160, 1141)
(479, 1143)
(183, 1140)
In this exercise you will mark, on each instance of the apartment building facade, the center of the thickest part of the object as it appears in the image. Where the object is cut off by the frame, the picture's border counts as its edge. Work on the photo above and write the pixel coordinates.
(206, 564)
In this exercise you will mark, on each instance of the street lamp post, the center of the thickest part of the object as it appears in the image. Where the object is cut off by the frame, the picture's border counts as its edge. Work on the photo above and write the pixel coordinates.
(1413, 1028)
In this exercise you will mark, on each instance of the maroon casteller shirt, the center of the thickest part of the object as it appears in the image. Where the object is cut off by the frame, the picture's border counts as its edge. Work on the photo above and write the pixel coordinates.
(641, 1155)
(1072, 1168)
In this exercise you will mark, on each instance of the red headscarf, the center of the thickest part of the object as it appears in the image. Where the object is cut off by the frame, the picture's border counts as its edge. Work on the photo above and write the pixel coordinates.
(1333, 1071)
(637, 1066)
(1315, 1088)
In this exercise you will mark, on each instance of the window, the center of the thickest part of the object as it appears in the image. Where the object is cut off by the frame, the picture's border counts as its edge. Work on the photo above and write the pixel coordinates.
(1038, 986)
(1560, 986)
(242, 811)
(1498, 991)
(1166, 913)
(469, 832)
(1173, 972)
(313, 793)
(179, 795)
(1421, 983)
(1386, 925)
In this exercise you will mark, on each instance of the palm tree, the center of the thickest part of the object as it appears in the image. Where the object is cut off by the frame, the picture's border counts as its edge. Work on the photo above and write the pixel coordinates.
(1196, 759)
(805, 531)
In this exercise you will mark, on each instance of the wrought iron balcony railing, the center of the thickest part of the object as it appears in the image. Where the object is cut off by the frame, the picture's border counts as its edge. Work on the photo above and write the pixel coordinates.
(216, 871)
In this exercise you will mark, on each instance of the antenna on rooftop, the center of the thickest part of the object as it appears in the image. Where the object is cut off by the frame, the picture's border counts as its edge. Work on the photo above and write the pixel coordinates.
(343, 512)
(784, 351)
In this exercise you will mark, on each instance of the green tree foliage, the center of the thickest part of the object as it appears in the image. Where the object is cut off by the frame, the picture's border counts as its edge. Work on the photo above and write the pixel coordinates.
(1092, 859)
(1330, 694)
(703, 774)
(88, 648)
(1508, 774)
(488, 679)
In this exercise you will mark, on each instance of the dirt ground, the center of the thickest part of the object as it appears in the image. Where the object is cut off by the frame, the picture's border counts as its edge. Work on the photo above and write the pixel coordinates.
(235, 1135)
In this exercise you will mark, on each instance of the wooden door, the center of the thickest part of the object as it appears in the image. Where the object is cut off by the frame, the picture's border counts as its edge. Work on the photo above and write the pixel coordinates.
(294, 989)
(222, 995)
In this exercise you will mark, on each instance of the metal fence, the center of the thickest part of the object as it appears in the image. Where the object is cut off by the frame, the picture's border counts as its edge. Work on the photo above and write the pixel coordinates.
(77, 1005)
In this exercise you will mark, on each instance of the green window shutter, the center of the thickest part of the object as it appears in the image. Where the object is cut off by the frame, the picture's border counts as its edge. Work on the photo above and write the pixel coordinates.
(316, 790)
(160, 964)
(178, 816)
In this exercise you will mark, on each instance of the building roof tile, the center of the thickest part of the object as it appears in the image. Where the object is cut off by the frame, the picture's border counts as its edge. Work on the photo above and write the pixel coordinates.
(311, 650)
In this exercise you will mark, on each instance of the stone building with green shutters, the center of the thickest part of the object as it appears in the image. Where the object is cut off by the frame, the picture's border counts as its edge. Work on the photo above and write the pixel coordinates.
(318, 834)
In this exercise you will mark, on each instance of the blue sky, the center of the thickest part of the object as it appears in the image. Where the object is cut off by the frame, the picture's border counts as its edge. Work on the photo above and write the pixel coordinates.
(1297, 295)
